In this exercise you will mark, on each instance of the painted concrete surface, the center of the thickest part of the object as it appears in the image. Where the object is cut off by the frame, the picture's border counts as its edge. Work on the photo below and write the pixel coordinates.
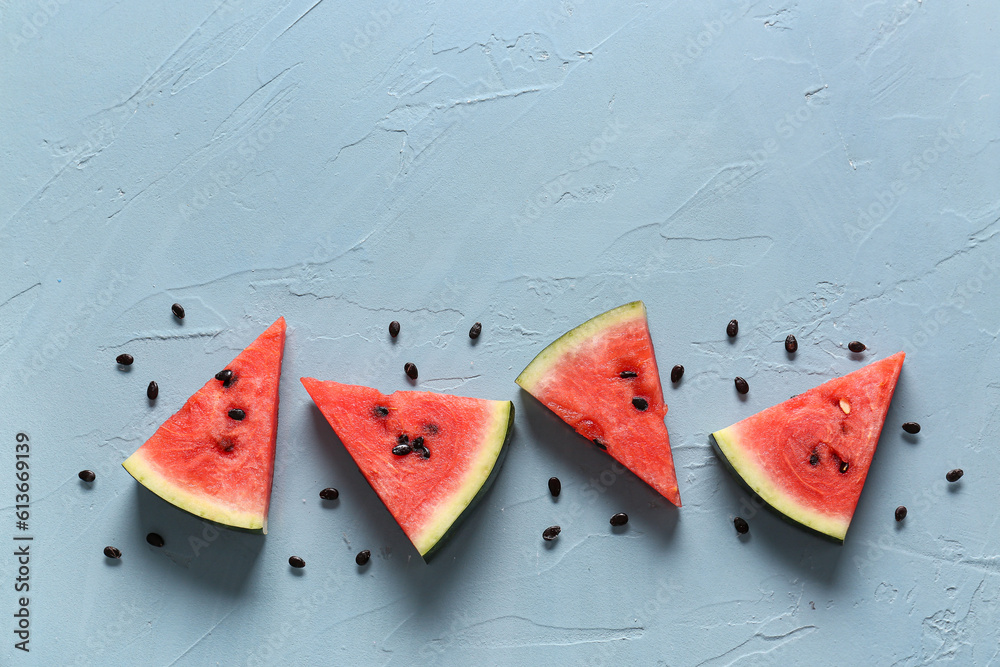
(829, 171)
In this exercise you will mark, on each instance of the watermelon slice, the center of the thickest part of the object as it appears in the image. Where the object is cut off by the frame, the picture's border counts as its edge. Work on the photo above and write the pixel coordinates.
(211, 464)
(457, 445)
(601, 379)
(807, 458)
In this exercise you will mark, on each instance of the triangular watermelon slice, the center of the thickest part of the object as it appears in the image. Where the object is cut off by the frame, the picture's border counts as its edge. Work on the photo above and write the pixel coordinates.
(205, 461)
(448, 451)
(807, 458)
(601, 378)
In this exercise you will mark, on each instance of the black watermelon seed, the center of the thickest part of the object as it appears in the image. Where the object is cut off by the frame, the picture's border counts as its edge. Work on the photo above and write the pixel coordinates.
(381, 411)
(402, 450)
(741, 385)
(732, 328)
(425, 453)
(394, 328)
(155, 540)
(237, 414)
(329, 493)
(112, 552)
(178, 311)
(125, 359)
(911, 427)
(295, 561)
(600, 443)
(900, 513)
(856, 346)
(418, 442)
(551, 533)
(814, 459)
(363, 557)
(619, 519)
(844, 467)
(676, 373)
(88, 475)
(476, 329)
(954, 475)
(555, 486)
(741, 525)
(640, 403)
(411, 370)
(153, 390)
(225, 377)
(791, 345)
(628, 374)
(402, 439)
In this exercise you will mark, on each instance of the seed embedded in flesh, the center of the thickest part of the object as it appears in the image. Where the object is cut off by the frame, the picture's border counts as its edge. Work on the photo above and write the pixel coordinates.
(954, 475)
(112, 552)
(600, 443)
(402, 450)
(911, 427)
(476, 329)
(628, 374)
(741, 385)
(640, 404)
(425, 453)
(295, 561)
(900, 513)
(619, 519)
(153, 390)
(125, 359)
(732, 328)
(394, 328)
(555, 486)
(225, 377)
(88, 475)
(411, 370)
(844, 467)
(551, 533)
(381, 411)
(155, 540)
(329, 493)
(791, 345)
(845, 406)
(676, 373)
(178, 311)
(363, 557)
(856, 346)
(237, 414)
(741, 525)
(814, 459)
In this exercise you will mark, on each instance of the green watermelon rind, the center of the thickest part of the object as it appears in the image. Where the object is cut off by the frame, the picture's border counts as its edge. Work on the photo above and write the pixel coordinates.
(507, 432)
(571, 340)
(753, 480)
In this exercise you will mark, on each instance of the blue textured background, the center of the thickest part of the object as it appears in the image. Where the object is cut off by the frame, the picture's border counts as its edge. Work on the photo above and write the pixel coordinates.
(826, 171)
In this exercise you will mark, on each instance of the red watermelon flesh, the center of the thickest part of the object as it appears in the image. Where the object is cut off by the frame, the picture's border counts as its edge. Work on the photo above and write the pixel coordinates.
(466, 439)
(808, 457)
(580, 378)
(206, 462)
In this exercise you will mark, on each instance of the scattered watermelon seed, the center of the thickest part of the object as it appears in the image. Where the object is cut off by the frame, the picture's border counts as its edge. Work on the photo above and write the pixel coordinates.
(911, 427)
(363, 557)
(640, 404)
(954, 475)
(732, 328)
(329, 493)
(856, 346)
(418, 442)
(225, 377)
(112, 552)
(791, 345)
(153, 390)
(600, 443)
(402, 450)
(814, 459)
(844, 467)
(900, 513)
(741, 385)
(155, 540)
(125, 359)
(628, 374)
(402, 439)
(619, 519)
(237, 414)
(845, 406)
(178, 311)
(295, 561)
(555, 486)
(394, 328)
(411, 370)
(381, 411)
(676, 373)
(476, 329)
(424, 452)
(88, 475)
(741, 525)
(551, 533)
